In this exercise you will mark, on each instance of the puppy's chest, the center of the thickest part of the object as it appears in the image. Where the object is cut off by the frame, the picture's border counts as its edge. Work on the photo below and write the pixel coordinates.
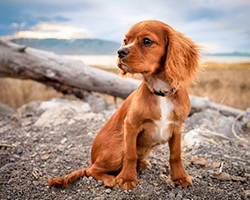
(161, 133)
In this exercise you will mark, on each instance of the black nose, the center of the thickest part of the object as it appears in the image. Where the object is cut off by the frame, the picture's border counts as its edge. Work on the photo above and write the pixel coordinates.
(122, 52)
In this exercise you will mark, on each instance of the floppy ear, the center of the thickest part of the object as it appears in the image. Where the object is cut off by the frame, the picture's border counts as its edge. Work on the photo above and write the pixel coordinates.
(182, 59)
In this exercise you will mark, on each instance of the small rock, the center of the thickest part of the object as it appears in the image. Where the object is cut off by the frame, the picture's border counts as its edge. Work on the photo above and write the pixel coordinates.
(12, 159)
(222, 176)
(216, 164)
(64, 140)
(179, 195)
(19, 151)
(60, 148)
(26, 123)
(247, 193)
(108, 191)
(248, 169)
(6, 110)
(35, 183)
(16, 156)
(238, 178)
(99, 182)
(172, 195)
(156, 184)
(168, 181)
(90, 134)
(162, 169)
(199, 161)
(45, 157)
(247, 175)
(99, 198)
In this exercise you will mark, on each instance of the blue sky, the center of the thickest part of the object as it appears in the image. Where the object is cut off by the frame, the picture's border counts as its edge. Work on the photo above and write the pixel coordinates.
(217, 25)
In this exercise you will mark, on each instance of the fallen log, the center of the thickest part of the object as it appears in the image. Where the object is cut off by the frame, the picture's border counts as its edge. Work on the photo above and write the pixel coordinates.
(65, 75)
(201, 103)
(71, 76)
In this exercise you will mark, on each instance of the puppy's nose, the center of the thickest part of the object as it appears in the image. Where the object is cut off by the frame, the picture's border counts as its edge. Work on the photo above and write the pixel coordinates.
(122, 52)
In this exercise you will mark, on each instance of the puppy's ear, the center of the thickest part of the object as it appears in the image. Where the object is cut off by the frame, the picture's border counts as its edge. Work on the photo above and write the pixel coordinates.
(182, 59)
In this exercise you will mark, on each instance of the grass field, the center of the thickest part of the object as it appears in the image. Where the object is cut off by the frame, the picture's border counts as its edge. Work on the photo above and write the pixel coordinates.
(228, 84)
(16, 92)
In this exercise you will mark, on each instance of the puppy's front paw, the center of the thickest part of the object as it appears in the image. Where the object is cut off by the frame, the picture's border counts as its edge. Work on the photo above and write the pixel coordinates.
(127, 183)
(184, 181)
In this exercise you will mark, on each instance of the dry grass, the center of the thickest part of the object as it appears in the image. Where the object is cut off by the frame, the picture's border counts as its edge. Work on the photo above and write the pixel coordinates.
(15, 92)
(228, 84)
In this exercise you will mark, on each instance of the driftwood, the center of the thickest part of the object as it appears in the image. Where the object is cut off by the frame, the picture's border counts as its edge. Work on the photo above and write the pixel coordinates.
(201, 103)
(70, 76)
(67, 76)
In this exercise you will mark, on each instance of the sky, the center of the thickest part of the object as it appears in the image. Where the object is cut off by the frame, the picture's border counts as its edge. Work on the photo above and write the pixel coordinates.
(216, 25)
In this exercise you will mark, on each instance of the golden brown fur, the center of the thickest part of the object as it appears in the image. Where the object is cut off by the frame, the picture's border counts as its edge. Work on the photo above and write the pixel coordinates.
(167, 60)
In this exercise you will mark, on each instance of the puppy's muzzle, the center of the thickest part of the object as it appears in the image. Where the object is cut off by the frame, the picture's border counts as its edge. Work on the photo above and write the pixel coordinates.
(122, 52)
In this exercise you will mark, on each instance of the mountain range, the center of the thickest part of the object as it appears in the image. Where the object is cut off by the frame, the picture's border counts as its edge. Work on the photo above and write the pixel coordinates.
(89, 47)
(72, 47)
(232, 54)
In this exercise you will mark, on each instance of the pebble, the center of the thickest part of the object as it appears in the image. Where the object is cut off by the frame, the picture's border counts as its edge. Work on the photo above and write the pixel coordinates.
(179, 195)
(162, 169)
(222, 176)
(238, 178)
(99, 183)
(36, 183)
(248, 169)
(45, 157)
(64, 140)
(16, 156)
(19, 151)
(172, 195)
(108, 191)
(99, 198)
(247, 193)
(156, 184)
(90, 134)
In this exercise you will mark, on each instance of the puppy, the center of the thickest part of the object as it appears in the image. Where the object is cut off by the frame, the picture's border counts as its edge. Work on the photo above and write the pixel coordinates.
(152, 115)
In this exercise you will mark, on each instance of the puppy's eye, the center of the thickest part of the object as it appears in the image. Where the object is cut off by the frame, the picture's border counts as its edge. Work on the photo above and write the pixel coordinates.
(125, 41)
(147, 42)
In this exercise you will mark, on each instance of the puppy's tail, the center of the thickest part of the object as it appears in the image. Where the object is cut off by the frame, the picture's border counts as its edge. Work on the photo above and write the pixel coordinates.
(64, 181)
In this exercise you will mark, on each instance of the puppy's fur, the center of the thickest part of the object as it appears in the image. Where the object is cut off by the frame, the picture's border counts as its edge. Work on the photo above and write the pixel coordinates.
(152, 115)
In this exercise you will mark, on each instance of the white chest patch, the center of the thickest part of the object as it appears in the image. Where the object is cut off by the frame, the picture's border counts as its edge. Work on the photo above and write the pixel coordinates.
(161, 134)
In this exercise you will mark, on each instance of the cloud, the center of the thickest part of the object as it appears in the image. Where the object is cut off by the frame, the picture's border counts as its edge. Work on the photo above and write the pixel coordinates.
(54, 30)
(223, 23)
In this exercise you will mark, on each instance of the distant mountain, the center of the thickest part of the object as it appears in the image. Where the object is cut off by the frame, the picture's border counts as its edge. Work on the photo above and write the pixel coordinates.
(72, 47)
(90, 47)
(232, 54)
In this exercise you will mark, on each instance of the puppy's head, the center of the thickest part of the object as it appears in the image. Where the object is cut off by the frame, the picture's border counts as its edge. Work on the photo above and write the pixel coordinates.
(153, 47)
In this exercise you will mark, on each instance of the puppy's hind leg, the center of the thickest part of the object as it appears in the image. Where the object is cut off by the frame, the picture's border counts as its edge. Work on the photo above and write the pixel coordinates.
(101, 174)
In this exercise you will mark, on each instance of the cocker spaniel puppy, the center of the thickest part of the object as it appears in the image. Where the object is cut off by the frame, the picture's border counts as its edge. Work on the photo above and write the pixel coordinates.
(152, 115)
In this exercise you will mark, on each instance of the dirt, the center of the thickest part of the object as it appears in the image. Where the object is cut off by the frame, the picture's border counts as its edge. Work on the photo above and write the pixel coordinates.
(30, 155)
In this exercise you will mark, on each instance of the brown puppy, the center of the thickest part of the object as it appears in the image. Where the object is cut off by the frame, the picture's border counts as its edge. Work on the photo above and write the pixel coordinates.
(152, 115)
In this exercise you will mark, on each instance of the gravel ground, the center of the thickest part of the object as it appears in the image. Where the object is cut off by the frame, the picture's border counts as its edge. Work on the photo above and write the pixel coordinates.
(30, 155)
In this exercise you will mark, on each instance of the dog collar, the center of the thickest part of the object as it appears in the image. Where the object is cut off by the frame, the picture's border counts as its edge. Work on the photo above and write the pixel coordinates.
(165, 93)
